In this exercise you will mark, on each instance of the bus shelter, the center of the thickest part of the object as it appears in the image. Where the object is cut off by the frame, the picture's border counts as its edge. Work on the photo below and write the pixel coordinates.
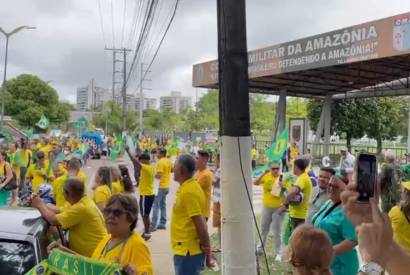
(366, 60)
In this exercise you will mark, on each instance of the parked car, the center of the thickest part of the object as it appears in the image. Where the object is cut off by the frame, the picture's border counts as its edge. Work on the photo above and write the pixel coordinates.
(23, 239)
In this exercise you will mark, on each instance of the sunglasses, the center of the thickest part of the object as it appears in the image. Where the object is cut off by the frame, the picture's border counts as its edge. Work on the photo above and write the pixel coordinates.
(114, 211)
(275, 168)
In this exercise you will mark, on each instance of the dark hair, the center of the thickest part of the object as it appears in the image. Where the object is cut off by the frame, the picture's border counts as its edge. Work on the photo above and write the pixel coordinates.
(126, 179)
(301, 164)
(188, 162)
(105, 174)
(4, 154)
(203, 154)
(74, 164)
(144, 156)
(74, 186)
(162, 151)
(330, 170)
(130, 205)
(40, 154)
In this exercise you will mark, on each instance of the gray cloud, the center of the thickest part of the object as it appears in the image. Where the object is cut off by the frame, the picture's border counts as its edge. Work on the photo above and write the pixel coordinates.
(68, 48)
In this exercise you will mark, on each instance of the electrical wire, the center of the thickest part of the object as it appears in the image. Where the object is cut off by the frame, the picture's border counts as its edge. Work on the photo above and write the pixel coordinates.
(123, 23)
(101, 23)
(251, 205)
(159, 46)
(112, 24)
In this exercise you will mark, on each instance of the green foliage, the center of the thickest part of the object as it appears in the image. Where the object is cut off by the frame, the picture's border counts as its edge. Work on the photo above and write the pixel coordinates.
(112, 118)
(28, 97)
(379, 118)
(262, 112)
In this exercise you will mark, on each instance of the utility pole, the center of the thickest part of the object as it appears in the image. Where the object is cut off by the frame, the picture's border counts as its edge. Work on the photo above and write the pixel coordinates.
(124, 51)
(141, 97)
(238, 239)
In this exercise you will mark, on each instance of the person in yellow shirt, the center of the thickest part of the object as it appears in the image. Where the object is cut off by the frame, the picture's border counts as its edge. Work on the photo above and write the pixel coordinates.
(102, 187)
(204, 177)
(146, 186)
(24, 156)
(74, 171)
(123, 245)
(83, 220)
(40, 172)
(189, 233)
(298, 197)
(117, 186)
(254, 153)
(164, 170)
(273, 197)
(46, 147)
(400, 219)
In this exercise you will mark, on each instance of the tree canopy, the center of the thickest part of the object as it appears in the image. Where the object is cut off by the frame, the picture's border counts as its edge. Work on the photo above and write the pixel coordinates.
(29, 97)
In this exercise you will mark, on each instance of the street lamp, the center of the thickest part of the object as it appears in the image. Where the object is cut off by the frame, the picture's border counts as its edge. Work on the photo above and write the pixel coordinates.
(7, 35)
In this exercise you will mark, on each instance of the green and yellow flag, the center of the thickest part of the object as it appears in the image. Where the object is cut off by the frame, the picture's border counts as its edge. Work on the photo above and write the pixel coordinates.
(63, 263)
(275, 152)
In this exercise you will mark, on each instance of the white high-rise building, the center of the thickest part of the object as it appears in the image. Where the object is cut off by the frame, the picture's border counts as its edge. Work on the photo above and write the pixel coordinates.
(149, 103)
(92, 96)
(175, 102)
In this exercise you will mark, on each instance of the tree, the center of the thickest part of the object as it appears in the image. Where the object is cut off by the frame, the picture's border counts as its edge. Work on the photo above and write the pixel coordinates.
(349, 117)
(262, 113)
(385, 117)
(29, 97)
(113, 119)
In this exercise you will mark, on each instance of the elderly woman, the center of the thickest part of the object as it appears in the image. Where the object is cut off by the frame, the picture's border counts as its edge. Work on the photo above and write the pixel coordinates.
(400, 219)
(102, 187)
(123, 246)
(305, 242)
(332, 219)
(390, 182)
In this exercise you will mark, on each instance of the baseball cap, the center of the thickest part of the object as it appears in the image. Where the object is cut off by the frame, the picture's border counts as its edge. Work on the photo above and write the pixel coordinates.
(406, 185)
(343, 149)
(275, 164)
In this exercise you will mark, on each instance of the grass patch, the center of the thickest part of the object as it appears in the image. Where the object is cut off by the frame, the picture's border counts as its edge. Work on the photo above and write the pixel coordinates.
(274, 267)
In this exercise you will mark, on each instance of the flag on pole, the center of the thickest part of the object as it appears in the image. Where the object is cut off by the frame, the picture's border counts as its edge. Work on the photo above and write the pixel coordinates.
(43, 123)
(275, 152)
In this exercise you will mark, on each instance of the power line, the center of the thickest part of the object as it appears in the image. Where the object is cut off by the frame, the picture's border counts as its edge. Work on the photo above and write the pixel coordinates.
(112, 24)
(123, 23)
(162, 40)
(101, 23)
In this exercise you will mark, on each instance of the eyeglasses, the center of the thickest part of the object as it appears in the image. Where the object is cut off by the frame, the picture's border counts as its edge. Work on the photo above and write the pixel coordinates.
(114, 211)
(275, 168)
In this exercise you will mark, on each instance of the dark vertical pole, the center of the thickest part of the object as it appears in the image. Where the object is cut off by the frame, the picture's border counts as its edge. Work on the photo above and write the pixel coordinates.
(233, 69)
(124, 92)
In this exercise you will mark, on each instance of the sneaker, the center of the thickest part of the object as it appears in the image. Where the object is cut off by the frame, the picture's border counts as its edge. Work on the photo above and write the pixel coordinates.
(161, 227)
(278, 258)
(152, 229)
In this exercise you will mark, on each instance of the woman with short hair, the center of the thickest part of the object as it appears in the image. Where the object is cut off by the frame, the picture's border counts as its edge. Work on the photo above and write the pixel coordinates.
(310, 251)
(102, 187)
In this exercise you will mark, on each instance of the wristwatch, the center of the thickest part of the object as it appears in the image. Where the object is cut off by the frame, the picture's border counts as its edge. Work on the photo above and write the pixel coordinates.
(371, 268)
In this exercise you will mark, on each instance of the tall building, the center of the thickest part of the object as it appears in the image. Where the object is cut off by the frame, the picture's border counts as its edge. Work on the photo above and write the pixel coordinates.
(175, 102)
(149, 103)
(92, 97)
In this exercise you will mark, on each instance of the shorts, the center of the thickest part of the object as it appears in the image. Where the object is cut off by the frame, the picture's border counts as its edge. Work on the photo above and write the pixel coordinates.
(216, 215)
(146, 203)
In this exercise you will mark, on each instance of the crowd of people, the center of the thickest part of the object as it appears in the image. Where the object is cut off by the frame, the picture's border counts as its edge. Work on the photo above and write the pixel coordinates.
(315, 217)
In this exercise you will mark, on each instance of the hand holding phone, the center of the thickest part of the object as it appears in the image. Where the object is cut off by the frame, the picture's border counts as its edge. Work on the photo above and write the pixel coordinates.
(366, 177)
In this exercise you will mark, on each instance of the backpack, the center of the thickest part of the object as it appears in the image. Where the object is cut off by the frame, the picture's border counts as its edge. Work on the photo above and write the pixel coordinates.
(12, 184)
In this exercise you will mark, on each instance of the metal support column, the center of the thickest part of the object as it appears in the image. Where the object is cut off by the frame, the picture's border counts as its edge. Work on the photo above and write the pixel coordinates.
(280, 116)
(327, 117)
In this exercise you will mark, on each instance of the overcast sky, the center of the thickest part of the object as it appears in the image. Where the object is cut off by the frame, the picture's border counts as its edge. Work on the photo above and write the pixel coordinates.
(67, 48)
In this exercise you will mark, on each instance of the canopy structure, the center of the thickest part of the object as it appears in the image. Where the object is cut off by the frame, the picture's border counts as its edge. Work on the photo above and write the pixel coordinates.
(370, 59)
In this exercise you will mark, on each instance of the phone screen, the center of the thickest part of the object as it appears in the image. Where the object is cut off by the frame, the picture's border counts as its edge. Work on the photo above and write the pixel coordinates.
(366, 176)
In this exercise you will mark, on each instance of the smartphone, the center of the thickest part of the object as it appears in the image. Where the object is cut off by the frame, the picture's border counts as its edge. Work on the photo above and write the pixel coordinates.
(366, 173)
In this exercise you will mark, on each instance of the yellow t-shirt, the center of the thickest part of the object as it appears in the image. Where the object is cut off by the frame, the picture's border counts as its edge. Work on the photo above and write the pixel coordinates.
(86, 226)
(204, 179)
(401, 227)
(134, 251)
(300, 211)
(254, 154)
(33, 171)
(102, 194)
(294, 152)
(24, 156)
(147, 180)
(164, 166)
(189, 202)
(270, 200)
(46, 149)
(14, 164)
(117, 187)
(58, 188)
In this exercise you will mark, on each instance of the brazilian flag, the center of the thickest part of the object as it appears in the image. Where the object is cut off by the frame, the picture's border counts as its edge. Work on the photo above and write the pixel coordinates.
(275, 152)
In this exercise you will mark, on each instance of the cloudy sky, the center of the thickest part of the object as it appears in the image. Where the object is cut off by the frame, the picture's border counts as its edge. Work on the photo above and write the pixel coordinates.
(67, 48)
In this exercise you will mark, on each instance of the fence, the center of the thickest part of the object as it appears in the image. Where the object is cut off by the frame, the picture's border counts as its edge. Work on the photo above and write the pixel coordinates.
(334, 150)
